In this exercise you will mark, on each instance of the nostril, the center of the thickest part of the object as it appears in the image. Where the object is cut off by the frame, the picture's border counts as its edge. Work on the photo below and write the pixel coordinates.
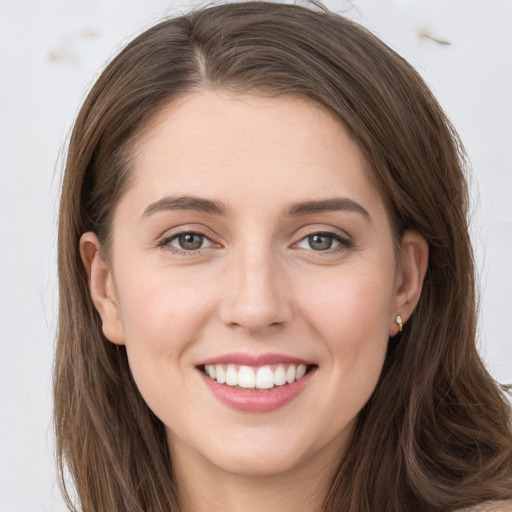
(255, 326)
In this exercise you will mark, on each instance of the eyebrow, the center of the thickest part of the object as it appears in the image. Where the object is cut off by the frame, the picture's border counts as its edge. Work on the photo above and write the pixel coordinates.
(327, 205)
(210, 207)
(193, 203)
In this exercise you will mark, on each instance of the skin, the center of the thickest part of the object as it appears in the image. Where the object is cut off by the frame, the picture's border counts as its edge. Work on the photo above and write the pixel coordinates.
(255, 286)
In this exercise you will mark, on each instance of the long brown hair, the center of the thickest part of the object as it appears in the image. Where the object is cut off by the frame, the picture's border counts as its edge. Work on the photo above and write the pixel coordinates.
(435, 435)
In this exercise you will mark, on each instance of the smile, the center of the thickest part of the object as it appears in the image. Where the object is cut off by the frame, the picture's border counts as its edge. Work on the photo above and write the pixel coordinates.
(261, 378)
(256, 384)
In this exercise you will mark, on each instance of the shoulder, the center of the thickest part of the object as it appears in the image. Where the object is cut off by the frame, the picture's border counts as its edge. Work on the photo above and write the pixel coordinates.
(490, 506)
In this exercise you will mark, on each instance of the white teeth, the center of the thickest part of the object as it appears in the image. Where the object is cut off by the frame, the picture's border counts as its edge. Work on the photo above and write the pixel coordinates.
(279, 376)
(231, 376)
(265, 378)
(301, 371)
(290, 374)
(246, 377)
(262, 378)
(221, 374)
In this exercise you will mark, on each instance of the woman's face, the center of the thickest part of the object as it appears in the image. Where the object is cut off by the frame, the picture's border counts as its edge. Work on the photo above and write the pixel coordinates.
(251, 245)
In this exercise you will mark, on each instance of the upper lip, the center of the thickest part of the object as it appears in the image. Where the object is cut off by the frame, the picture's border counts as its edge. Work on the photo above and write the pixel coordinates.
(254, 359)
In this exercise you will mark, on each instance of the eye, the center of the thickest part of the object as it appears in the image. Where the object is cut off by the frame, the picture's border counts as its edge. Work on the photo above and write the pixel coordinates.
(189, 241)
(323, 241)
(186, 241)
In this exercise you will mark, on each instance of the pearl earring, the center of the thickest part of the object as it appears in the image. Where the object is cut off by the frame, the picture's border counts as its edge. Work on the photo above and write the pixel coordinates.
(398, 320)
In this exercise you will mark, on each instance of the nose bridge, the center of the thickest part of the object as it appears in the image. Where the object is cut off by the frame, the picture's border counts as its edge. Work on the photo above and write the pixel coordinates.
(256, 297)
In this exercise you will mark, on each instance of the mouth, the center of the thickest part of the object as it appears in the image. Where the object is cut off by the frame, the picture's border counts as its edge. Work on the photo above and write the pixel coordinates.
(263, 378)
(256, 384)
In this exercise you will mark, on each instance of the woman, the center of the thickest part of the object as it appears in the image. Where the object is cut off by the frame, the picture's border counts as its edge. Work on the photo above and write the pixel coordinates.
(266, 279)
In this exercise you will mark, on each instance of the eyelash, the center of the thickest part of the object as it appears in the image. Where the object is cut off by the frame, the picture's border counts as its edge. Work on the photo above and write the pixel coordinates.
(166, 242)
(344, 243)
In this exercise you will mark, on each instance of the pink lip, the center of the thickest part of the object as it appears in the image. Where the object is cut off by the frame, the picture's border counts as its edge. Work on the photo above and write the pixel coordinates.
(254, 360)
(248, 400)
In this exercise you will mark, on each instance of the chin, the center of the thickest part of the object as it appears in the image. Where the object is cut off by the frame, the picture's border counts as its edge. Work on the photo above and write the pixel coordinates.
(261, 463)
(267, 450)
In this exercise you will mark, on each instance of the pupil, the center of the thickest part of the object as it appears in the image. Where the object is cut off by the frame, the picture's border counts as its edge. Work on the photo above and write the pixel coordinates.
(320, 242)
(191, 241)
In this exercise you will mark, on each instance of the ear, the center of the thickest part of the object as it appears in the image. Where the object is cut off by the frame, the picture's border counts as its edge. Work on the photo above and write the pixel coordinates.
(102, 288)
(410, 275)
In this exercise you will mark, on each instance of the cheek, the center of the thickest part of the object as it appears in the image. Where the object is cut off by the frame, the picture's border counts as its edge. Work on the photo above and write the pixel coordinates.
(163, 313)
(163, 307)
(350, 312)
(349, 301)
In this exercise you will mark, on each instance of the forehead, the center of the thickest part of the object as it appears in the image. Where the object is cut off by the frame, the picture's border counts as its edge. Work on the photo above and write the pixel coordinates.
(247, 149)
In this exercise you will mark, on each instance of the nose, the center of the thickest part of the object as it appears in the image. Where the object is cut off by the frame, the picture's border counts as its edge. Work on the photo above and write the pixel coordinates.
(255, 295)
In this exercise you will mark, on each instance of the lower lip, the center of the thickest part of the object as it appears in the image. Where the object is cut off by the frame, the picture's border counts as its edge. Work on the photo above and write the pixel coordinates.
(256, 401)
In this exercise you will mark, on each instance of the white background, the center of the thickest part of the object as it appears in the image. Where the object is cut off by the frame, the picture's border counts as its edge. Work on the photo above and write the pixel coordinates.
(50, 53)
